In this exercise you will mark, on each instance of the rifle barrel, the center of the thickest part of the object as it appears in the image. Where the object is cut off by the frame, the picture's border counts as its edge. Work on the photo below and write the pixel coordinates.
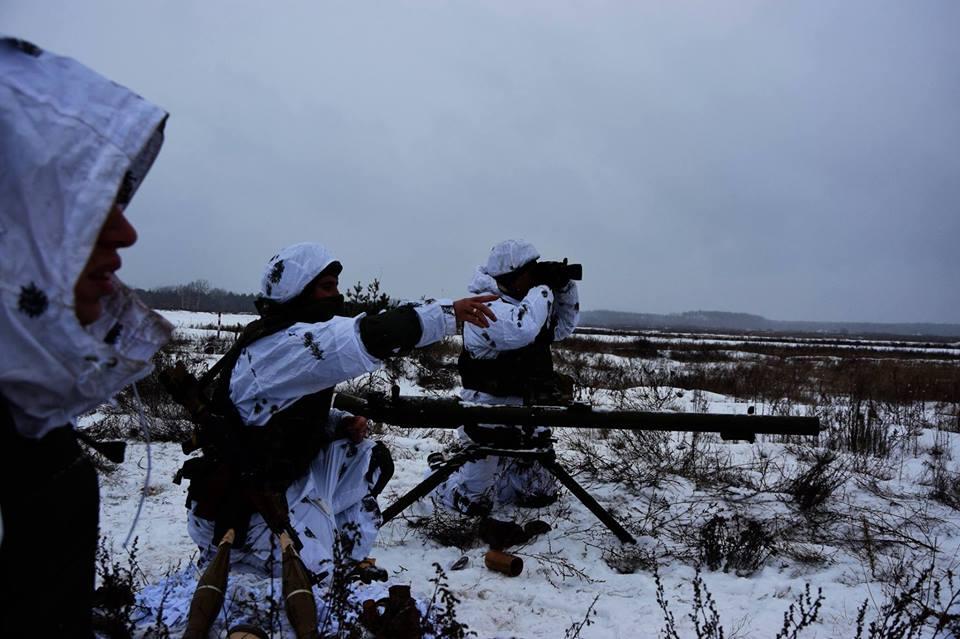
(419, 412)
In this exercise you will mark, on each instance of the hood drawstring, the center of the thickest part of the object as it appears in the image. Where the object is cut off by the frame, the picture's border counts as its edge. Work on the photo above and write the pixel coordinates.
(145, 427)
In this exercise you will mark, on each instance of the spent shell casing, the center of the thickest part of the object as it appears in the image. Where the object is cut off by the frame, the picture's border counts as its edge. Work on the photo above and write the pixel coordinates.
(504, 562)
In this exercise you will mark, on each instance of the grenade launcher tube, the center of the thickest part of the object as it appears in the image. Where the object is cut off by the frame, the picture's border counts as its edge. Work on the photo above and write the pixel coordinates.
(452, 413)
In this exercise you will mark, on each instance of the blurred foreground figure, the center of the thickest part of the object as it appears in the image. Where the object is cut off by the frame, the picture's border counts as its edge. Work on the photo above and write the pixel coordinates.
(510, 363)
(278, 460)
(74, 147)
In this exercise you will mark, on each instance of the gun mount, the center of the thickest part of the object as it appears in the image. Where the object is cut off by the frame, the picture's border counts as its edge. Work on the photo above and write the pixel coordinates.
(420, 412)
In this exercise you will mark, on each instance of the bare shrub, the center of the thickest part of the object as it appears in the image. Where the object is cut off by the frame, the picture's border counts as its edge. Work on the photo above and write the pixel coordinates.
(343, 608)
(636, 459)
(167, 420)
(926, 602)
(815, 483)
(379, 381)
(946, 488)
(215, 345)
(802, 613)
(808, 610)
(115, 597)
(650, 388)
(573, 632)
(948, 414)
(855, 427)
(555, 565)
(740, 544)
(435, 366)
(441, 616)
(627, 559)
(593, 374)
(703, 612)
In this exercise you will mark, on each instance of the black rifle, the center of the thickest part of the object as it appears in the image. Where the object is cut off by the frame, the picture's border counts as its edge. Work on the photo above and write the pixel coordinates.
(420, 412)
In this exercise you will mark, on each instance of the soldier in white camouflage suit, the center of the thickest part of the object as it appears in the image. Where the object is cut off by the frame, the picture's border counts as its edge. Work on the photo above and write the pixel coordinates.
(281, 386)
(504, 364)
(74, 147)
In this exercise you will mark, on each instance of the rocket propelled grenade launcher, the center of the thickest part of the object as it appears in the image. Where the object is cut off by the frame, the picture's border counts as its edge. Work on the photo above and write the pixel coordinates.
(425, 412)
(421, 412)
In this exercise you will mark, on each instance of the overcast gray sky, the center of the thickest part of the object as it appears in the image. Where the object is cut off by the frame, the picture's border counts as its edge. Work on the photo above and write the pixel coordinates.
(799, 160)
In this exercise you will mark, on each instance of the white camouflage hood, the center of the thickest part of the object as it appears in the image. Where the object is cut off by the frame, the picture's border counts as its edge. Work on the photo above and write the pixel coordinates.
(71, 142)
(509, 255)
(505, 257)
(288, 272)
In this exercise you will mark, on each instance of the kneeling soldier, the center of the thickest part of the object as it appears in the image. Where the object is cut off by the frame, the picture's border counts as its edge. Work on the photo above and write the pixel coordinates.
(510, 363)
(279, 436)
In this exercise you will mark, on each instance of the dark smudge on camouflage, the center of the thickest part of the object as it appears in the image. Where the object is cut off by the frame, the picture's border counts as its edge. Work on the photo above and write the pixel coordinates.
(309, 343)
(33, 302)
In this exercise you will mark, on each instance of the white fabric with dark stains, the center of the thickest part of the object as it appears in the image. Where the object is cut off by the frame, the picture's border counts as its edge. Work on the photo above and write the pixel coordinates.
(332, 497)
(276, 371)
(508, 256)
(520, 321)
(68, 138)
(288, 272)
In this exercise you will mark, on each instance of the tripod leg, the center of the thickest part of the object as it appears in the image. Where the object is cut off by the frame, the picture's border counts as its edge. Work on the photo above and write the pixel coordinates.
(601, 513)
(425, 487)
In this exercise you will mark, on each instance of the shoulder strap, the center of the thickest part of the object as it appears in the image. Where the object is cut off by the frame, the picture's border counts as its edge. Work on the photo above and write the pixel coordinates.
(278, 320)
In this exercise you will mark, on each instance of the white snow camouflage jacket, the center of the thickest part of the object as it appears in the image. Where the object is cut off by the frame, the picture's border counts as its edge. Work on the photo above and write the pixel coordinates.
(519, 321)
(274, 372)
(69, 138)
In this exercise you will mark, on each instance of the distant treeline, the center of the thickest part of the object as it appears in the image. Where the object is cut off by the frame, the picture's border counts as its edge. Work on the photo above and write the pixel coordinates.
(198, 295)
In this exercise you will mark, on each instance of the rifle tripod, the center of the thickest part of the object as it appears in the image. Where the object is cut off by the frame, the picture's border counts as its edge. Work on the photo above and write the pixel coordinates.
(547, 458)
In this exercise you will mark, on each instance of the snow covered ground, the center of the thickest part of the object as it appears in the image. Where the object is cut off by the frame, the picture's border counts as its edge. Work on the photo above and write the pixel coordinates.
(885, 504)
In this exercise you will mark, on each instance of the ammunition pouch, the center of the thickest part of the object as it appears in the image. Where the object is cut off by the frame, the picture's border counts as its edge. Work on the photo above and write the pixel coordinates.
(220, 494)
(210, 481)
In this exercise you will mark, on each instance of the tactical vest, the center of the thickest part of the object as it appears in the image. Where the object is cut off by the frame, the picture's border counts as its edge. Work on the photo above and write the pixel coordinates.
(523, 372)
(280, 451)
(268, 457)
(237, 457)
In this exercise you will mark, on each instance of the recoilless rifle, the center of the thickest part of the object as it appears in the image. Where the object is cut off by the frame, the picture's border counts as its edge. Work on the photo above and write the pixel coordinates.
(421, 412)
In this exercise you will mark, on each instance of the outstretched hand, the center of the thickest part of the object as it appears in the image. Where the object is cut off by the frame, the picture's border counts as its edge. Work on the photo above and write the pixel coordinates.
(475, 310)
